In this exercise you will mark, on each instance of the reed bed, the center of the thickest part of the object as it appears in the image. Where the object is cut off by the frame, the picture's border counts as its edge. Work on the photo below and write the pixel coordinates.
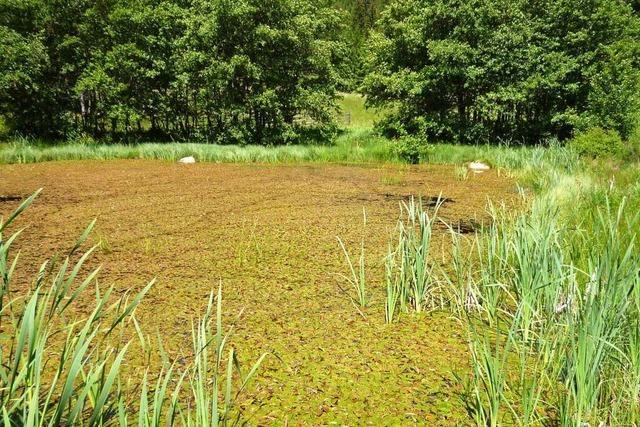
(549, 295)
(553, 331)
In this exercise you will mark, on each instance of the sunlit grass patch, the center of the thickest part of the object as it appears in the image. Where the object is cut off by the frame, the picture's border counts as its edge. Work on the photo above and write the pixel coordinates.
(353, 112)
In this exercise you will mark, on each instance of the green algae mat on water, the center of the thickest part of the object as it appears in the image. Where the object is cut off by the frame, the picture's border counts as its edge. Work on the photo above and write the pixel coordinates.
(269, 233)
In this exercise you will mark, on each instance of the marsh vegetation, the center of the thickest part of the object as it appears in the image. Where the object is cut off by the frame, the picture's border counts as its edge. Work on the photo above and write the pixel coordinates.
(368, 274)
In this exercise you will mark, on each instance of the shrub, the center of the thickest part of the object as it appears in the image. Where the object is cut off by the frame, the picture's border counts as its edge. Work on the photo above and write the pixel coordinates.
(412, 149)
(598, 142)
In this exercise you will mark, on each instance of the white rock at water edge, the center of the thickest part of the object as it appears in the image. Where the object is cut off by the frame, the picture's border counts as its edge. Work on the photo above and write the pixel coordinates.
(187, 160)
(479, 167)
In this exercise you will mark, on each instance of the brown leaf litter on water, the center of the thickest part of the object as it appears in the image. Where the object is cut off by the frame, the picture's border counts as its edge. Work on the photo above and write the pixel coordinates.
(269, 233)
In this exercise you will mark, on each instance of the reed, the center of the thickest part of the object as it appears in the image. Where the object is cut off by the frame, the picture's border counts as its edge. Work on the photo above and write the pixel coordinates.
(357, 276)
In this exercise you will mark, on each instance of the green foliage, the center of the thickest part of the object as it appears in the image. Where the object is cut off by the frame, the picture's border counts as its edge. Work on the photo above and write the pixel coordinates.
(363, 14)
(634, 142)
(598, 142)
(360, 18)
(22, 66)
(221, 71)
(491, 70)
(412, 149)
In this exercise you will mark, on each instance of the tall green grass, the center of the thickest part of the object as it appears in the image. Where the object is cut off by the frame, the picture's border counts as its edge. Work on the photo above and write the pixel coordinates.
(549, 294)
(554, 337)
(59, 369)
(358, 145)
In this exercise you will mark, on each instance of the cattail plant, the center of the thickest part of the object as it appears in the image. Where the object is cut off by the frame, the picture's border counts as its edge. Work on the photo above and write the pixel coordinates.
(78, 381)
(357, 278)
(393, 286)
(84, 371)
(569, 301)
(409, 273)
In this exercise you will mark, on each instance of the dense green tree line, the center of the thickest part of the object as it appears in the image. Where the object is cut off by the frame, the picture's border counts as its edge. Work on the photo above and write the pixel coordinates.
(360, 17)
(519, 70)
(361, 14)
(267, 71)
(261, 71)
